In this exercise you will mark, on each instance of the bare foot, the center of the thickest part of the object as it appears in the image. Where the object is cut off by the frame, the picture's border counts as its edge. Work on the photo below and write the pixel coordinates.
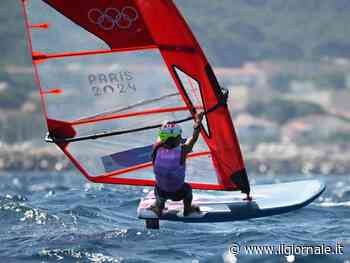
(192, 209)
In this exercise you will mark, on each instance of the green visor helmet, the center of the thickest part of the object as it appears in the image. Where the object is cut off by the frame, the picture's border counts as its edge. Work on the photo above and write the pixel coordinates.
(169, 130)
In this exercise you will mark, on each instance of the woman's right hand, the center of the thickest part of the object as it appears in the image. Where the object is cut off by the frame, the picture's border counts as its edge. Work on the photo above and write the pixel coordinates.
(199, 117)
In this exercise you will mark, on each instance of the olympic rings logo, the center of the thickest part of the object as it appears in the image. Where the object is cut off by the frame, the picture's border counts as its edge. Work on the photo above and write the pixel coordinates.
(113, 18)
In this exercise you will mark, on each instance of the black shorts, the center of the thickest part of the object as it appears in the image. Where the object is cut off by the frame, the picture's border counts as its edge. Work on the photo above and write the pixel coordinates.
(184, 193)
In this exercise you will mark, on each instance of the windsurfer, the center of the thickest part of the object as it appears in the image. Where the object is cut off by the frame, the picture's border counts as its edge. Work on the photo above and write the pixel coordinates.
(169, 157)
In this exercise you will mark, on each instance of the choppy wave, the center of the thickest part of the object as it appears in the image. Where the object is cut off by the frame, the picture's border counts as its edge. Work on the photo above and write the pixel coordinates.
(334, 204)
(76, 254)
(62, 218)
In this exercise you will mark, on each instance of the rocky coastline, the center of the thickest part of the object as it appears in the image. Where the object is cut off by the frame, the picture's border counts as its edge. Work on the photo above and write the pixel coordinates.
(269, 158)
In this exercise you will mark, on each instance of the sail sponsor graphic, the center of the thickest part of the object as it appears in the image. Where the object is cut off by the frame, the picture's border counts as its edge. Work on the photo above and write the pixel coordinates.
(111, 83)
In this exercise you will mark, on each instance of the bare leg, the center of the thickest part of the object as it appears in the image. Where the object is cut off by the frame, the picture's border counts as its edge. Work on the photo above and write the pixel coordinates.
(188, 207)
(159, 205)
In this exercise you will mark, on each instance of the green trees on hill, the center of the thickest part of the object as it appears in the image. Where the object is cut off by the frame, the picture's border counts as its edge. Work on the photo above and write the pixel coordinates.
(18, 87)
(270, 29)
(282, 110)
(234, 31)
(13, 49)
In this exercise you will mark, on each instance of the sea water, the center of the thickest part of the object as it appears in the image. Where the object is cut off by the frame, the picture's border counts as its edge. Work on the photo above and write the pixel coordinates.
(60, 217)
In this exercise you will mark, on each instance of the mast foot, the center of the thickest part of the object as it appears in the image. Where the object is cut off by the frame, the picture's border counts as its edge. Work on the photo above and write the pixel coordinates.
(248, 198)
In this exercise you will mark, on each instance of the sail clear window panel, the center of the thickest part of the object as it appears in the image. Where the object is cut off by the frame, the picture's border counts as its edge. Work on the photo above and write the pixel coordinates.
(107, 84)
(193, 91)
(200, 169)
(62, 35)
(91, 154)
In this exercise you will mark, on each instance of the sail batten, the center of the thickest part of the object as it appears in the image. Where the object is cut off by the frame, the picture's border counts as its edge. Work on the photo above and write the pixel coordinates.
(40, 56)
(127, 115)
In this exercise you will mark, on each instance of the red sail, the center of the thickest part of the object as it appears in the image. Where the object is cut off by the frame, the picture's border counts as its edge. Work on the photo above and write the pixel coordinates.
(120, 66)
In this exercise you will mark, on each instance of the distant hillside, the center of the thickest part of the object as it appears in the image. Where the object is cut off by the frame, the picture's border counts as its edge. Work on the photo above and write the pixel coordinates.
(13, 49)
(234, 31)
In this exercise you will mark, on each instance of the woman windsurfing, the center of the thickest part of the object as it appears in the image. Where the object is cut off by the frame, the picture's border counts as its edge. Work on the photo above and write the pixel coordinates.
(169, 162)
